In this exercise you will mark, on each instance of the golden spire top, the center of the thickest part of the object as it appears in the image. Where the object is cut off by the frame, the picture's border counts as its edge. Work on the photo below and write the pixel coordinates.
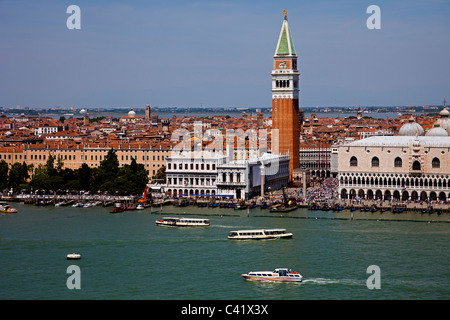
(285, 13)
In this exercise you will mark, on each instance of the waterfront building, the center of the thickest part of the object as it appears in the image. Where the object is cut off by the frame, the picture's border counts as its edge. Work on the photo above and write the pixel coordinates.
(244, 179)
(315, 158)
(395, 167)
(192, 173)
(285, 97)
(152, 156)
(210, 174)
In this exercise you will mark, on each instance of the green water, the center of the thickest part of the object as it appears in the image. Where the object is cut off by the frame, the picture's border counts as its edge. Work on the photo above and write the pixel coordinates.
(126, 256)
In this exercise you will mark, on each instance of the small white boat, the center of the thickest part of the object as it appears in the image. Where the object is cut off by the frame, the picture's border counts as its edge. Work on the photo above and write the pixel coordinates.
(78, 205)
(87, 205)
(6, 209)
(259, 234)
(139, 207)
(74, 256)
(277, 275)
(182, 222)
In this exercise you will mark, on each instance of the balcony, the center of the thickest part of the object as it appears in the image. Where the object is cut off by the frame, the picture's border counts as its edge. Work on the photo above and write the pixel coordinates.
(230, 183)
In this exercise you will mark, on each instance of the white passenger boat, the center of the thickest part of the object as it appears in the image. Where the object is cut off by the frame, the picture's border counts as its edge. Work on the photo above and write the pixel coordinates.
(277, 275)
(6, 209)
(260, 234)
(74, 256)
(182, 222)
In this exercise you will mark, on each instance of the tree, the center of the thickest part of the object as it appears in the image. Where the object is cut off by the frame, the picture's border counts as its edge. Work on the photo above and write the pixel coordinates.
(4, 169)
(40, 178)
(84, 177)
(59, 164)
(18, 175)
(50, 165)
(106, 172)
(110, 164)
(161, 174)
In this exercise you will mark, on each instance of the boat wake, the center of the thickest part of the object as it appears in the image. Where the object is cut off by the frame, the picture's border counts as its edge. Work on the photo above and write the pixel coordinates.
(223, 226)
(325, 281)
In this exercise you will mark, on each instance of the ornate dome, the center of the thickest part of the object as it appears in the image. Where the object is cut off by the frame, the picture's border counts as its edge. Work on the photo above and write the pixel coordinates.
(444, 120)
(437, 131)
(131, 113)
(411, 128)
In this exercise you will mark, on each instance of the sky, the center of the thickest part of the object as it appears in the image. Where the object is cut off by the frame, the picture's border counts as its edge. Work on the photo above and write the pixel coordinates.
(220, 53)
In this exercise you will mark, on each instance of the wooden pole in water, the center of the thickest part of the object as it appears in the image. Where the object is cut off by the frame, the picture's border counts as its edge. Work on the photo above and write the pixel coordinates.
(262, 180)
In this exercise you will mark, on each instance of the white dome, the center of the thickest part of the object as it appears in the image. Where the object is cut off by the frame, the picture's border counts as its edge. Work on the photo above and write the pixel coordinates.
(444, 112)
(82, 111)
(131, 113)
(444, 120)
(411, 129)
(437, 131)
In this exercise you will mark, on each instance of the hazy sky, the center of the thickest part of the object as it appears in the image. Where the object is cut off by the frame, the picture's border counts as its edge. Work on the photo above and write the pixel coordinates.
(220, 53)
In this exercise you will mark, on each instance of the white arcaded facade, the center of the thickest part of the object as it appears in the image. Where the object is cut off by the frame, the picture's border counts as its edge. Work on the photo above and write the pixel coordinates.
(395, 167)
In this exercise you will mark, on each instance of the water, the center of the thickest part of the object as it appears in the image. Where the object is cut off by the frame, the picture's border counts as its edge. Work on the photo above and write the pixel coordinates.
(161, 114)
(126, 256)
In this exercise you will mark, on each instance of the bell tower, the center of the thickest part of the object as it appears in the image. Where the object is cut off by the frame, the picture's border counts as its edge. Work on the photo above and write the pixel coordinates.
(285, 97)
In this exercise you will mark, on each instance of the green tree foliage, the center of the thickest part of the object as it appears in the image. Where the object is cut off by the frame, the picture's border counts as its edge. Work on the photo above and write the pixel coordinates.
(84, 175)
(161, 174)
(18, 175)
(130, 179)
(4, 170)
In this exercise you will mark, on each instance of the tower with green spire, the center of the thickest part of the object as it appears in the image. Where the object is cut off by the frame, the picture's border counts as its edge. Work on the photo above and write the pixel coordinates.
(285, 97)
(285, 44)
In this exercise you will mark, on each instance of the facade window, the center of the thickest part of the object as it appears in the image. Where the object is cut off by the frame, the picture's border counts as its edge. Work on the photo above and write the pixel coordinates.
(436, 163)
(398, 162)
(416, 165)
(353, 162)
(375, 162)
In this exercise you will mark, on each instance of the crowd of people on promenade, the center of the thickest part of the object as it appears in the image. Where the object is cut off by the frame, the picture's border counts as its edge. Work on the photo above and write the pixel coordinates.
(325, 190)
